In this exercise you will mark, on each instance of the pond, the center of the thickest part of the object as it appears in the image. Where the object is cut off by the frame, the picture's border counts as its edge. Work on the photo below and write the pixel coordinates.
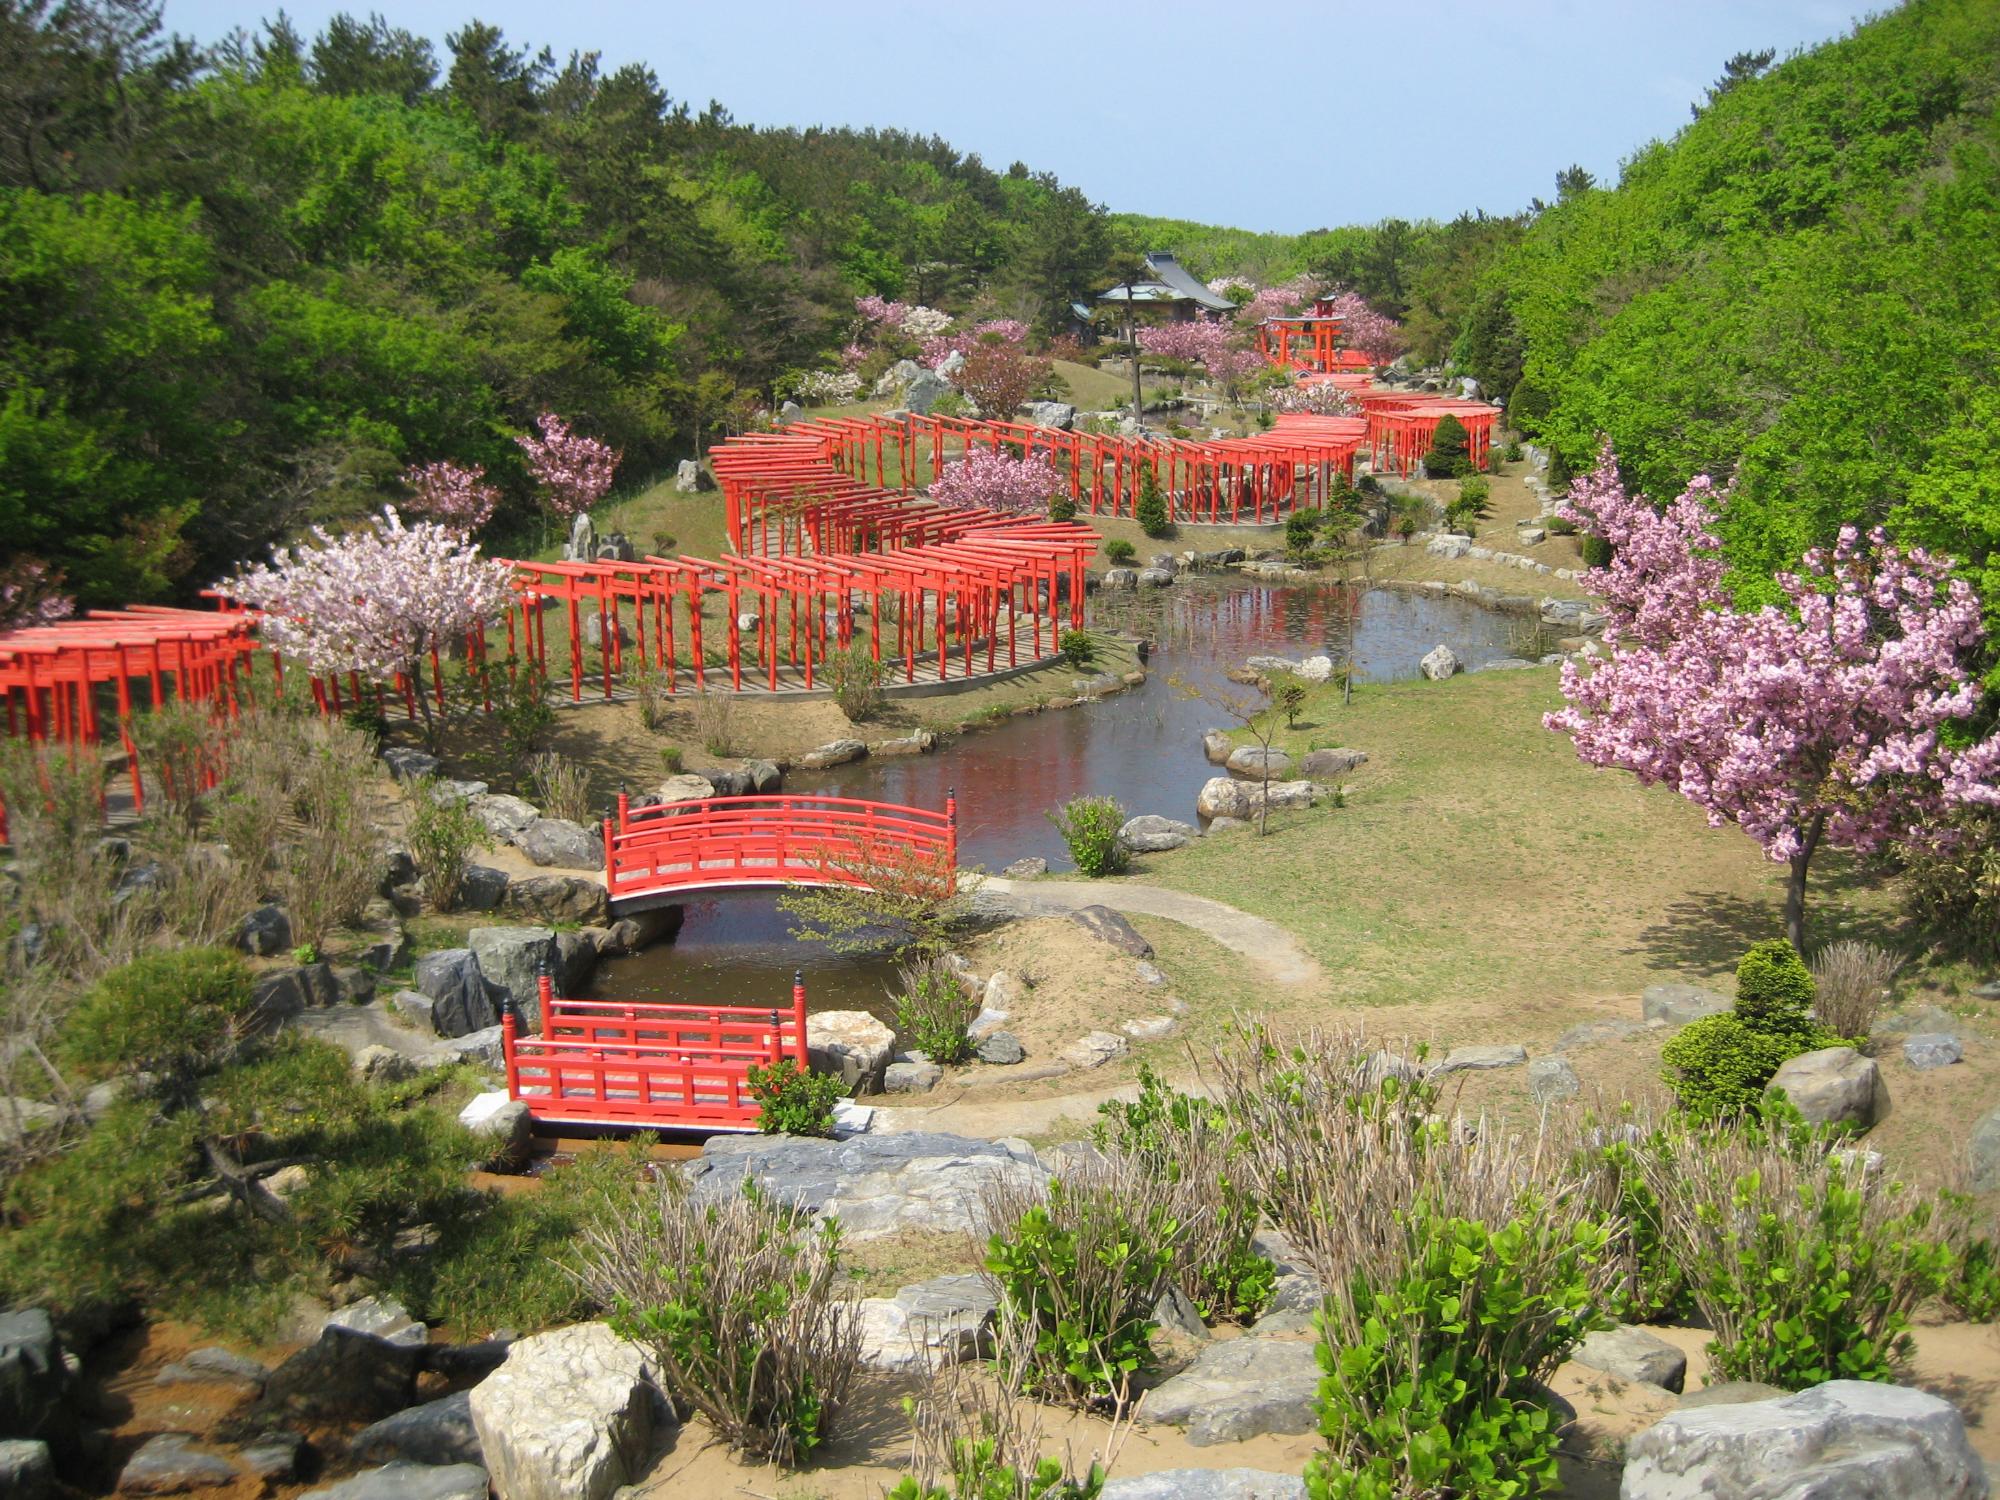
(1142, 747)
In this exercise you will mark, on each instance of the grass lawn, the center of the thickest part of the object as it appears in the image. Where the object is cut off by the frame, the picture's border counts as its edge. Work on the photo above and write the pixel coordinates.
(1479, 869)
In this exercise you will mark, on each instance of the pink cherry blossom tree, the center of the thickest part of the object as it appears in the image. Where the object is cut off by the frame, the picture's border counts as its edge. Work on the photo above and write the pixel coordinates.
(1825, 723)
(574, 471)
(377, 602)
(1361, 327)
(31, 594)
(998, 481)
(452, 495)
(1321, 398)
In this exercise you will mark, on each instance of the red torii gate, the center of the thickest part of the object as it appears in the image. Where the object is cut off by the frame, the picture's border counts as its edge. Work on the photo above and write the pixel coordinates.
(1317, 336)
(1402, 424)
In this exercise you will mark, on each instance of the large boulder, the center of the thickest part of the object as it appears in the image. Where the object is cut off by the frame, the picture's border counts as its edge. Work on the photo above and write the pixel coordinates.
(876, 1185)
(690, 478)
(834, 753)
(1634, 1354)
(1283, 794)
(569, 1415)
(686, 787)
(1678, 1004)
(461, 1000)
(168, 1463)
(405, 1481)
(1222, 797)
(1207, 1484)
(1240, 1389)
(1107, 926)
(559, 898)
(1846, 1440)
(344, 1376)
(1833, 1086)
(35, 1380)
(438, 1432)
(1050, 414)
(1317, 764)
(1216, 746)
(266, 932)
(851, 1044)
(947, 1315)
(1151, 834)
(27, 1469)
(1932, 1049)
(1982, 1153)
(563, 844)
(503, 816)
(512, 961)
(924, 390)
(1439, 663)
(381, 1317)
(1552, 1078)
(1255, 761)
(1481, 1059)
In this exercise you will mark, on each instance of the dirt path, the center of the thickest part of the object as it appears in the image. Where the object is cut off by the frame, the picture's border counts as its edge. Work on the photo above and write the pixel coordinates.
(1270, 949)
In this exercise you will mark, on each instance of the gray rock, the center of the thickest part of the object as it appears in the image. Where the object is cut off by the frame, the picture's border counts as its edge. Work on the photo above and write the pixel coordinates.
(1932, 1049)
(321, 984)
(1552, 1078)
(1175, 1313)
(438, 1432)
(169, 1464)
(559, 898)
(1678, 1004)
(1731, 1393)
(850, 1044)
(390, 951)
(911, 1077)
(1216, 746)
(400, 1481)
(1026, 869)
(764, 775)
(559, 842)
(1050, 414)
(266, 932)
(568, 1416)
(1634, 1354)
(1152, 578)
(582, 543)
(1146, 1028)
(690, 478)
(381, 1317)
(1987, 991)
(482, 1047)
(1207, 1484)
(1833, 1086)
(1094, 1049)
(35, 1380)
(1982, 1152)
(1116, 579)
(461, 1000)
(1001, 1048)
(1320, 764)
(1222, 797)
(616, 547)
(1911, 1022)
(213, 1366)
(1283, 794)
(686, 787)
(278, 996)
(945, 1316)
(483, 888)
(1481, 1059)
(1439, 663)
(834, 753)
(1846, 1440)
(877, 1185)
(1098, 685)
(273, 1458)
(1107, 926)
(512, 960)
(924, 390)
(1255, 761)
(504, 1121)
(27, 1472)
(1590, 1033)
(409, 765)
(343, 1376)
(1151, 834)
(503, 816)
(1241, 1389)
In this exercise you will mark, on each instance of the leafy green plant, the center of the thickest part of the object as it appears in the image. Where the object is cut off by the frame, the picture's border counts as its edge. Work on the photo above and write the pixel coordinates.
(858, 681)
(1805, 1271)
(672, 761)
(523, 713)
(1448, 450)
(1078, 1265)
(1089, 827)
(1062, 508)
(1288, 698)
(1118, 550)
(935, 1009)
(1596, 551)
(793, 1100)
(1774, 989)
(305, 953)
(1077, 647)
(1717, 1066)
(739, 1305)
(1301, 532)
(1151, 510)
(444, 834)
(1470, 506)
(1651, 1286)
(1973, 1289)
(176, 1015)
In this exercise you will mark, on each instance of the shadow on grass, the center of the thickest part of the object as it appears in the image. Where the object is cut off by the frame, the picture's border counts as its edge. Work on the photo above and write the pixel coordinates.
(1708, 930)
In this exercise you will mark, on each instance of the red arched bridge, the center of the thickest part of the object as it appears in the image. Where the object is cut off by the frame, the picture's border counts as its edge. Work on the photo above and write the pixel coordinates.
(645, 1065)
(719, 842)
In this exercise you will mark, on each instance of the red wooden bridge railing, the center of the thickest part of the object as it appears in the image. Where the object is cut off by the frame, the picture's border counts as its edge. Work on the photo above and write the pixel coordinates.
(778, 840)
(647, 1065)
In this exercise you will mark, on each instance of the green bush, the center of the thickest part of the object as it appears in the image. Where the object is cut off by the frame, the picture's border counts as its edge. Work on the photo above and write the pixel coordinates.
(1151, 511)
(1717, 1066)
(1448, 450)
(1089, 826)
(1062, 508)
(672, 760)
(1301, 531)
(1437, 1397)
(1079, 1266)
(934, 1010)
(1512, 452)
(444, 834)
(1651, 1286)
(1596, 551)
(858, 681)
(1076, 647)
(1528, 407)
(176, 1014)
(1559, 475)
(792, 1100)
(1774, 990)
(1558, 526)
(1118, 550)
(1973, 1290)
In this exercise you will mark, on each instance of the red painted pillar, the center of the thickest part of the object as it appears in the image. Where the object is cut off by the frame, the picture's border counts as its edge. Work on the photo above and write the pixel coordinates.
(799, 1019)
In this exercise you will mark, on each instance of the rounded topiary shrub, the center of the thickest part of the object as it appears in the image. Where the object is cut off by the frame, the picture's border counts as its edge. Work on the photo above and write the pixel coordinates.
(1119, 550)
(1596, 551)
(1062, 508)
(1448, 457)
(1717, 1066)
(1774, 990)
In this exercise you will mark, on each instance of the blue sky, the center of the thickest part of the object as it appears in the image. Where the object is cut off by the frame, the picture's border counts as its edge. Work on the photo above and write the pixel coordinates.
(1265, 116)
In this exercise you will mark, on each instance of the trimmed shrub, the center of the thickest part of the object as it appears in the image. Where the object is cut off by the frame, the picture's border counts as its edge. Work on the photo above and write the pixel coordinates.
(1076, 647)
(1118, 550)
(1089, 827)
(1717, 1066)
(739, 1304)
(792, 1100)
(1151, 510)
(1596, 551)
(1062, 508)
(176, 1015)
(1774, 990)
(935, 1009)
(1449, 449)
(1528, 407)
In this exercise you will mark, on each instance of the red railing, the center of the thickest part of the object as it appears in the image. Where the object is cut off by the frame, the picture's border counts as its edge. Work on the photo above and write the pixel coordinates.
(647, 1065)
(778, 840)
